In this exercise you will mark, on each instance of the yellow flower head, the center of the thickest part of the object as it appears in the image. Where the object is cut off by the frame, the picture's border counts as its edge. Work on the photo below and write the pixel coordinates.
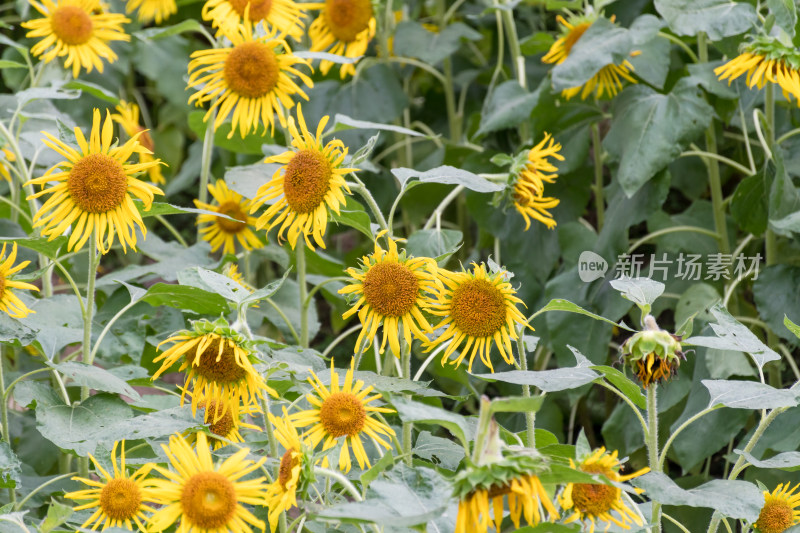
(94, 189)
(764, 60)
(251, 80)
(8, 157)
(528, 185)
(309, 183)
(285, 15)
(10, 304)
(282, 493)
(343, 28)
(224, 233)
(780, 511)
(127, 116)
(118, 500)
(204, 496)
(79, 30)
(480, 308)
(343, 412)
(596, 502)
(152, 10)
(225, 425)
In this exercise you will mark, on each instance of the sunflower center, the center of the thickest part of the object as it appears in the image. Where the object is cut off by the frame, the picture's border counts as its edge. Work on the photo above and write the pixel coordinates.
(233, 210)
(97, 183)
(71, 24)
(288, 462)
(208, 500)
(348, 18)
(224, 425)
(251, 69)
(775, 517)
(306, 181)
(593, 499)
(342, 413)
(120, 499)
(575, 33)
(391, 289)
(478, 308)
(219, 367)
(259, 9)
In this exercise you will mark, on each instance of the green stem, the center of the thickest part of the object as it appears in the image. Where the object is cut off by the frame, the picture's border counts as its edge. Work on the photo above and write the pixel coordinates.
(599, 201)
(273, 450)
(771, 243)
(205, 162)
(453, 120)
(666, 231)
(301, 281)
(484, 417)
(408, 427)
(652, 445)
(530, 417)
(361, 189)
(519, 63)
(88, 355)
(12, 493)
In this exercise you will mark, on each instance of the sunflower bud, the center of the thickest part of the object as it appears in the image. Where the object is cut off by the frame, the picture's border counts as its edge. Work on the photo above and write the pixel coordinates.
(653, 354)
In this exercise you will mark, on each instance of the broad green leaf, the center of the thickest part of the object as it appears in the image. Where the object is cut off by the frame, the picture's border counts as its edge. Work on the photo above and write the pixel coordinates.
(161, 32)
(750, 203)
(695, 301)
(377, 469)
(625, 385)
(186, 298)
(748, 395)
(162, 208)
(10, 467)
(558, 304)
(267, 291)
(794, 328)
(554, 380)
(508, 106)
(247, 179)
(717, 18)
(353, 214)
(95, 378)
(43, 245)
(210, 281)
(58, 322)
(722, 364)
(413, 40)
(785, 12)
(385, 383)
(14, 331)
(783, 461)
(641, 291)
(153, 425)
(449, 176)
(775, 294)
(517, 404)
(77, 427)
(57, 514)
(325, 56)
(440, 451)
(46, 93)
(343, 122)
(6, 63)
(438, 244)
(784, 198)
(536, 43)
(411, 411)
(252, 144)
(95, 90)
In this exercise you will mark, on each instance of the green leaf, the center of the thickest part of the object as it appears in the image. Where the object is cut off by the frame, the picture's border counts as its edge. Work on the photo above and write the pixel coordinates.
(748, 395)
(45, 93)
(783, 461)
(775, 294)
(251, 144)
(750, 203)
(784, 199)
(411, 411)
(558, 304)
(554, 380)
(95, 90)
(161, 32)
(10, 467)
(58, 322)
(49, 248)
(77, 427)
(353, 214)
(413, 40)
(630, 389)
(438, 244)
(695, 301)
(5, 63)
(785, 13)
(794, 328)
(210, 281)
(536, 43)
(641, 291)
(449, 176)
(95, 378)
(722, 364)
(162, 208)
(440, 451)
(377, 469)
(517, 404)
(509, 105)
(14, 331)
(247, 179)
(344, 123)
(717, 18)
(57, 514)
(267, 291)
(153, 425)
(186, 298)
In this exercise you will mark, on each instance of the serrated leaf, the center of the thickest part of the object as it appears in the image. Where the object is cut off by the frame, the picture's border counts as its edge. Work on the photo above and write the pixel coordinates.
(782, 461)
(641, 291)
(344, 123)
(95, 378)
(186, 298)
(554, 380)
(411, 411)
(559, 304)
(748, 395)
(449, 176)
(717, 18)
(508, 106)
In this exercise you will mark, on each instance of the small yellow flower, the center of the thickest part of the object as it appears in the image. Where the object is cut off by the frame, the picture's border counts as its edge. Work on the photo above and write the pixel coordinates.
(528, 185)
(282, 493)
(152, 10)
(224, 233)
(286, 15)
(9, 302)
(9, 157)
(226, 425)
(343, 28)
(127, 117)
(780, 511)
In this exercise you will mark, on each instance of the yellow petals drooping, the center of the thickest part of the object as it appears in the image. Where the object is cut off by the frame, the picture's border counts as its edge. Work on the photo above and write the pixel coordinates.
(79, 30)
(780, 511)
(222, 232)
(343, 28)
(152, 10)
(528, 187)
(282, 493)
(761, 70)
(127, 116)
(285, 15)
(10, 303)
(8, 157)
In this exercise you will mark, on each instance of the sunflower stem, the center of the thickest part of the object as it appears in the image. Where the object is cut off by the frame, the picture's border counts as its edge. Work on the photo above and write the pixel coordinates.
(652, 446)
(530, 416)
(361, 189)
(273, 451)
(205, 162)
(301, 282)
(519, 63)
(453, 120)
(484, 417)
(408, 427)
(599, 201)
(88, 355)
(12, 493)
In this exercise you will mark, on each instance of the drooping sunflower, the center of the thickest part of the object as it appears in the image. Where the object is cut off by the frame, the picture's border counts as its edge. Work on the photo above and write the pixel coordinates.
(127, 117)
(228, 424)
(94, 189)
(252, 80)
(480, 308)
(218, 363)
(392, 290)
(204, 496)
(308, 184)
(118, 500)
(77, 29)
(152, 10)
(343, 28)
(597, 502)
(10, 303)
(607, 80)
(653, 354)
(282, 493)
(285, 15)
(765, 59)
(8, 157)
(780, 511)
(344, 413)
(224, 233)
(529, 179)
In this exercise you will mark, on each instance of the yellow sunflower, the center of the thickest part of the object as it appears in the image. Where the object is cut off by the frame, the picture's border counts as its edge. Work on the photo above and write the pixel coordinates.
(343, 28)
(203, 496)
(152, 10)
(8, 157)
(232, 271)
(119, 500)
(780, 511)
(528, 188)
(392, 290)
(285, 15)
(224, 233)
(479, 307)
(127, 117)
(306, 186)
(10, 304)
(94, 189)
(252, 80)
(765, 59)
(77, 29)
(596, 502)
(226, 425)
(607, 80)
(219, 364)
(282, 493)
(344, 413)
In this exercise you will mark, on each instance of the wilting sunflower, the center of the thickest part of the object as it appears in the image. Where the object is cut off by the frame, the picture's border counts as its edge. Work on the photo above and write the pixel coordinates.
(8, 157)
(77, 29)
(127, 116)
(286, 15)
(654, 355)
(219, 364)
(94, 189)
(10, 304)
(224, 233)
(765, 59)
(344, 413)
(780, 511)
(152, 10)
(204, 496)
(227, 425)
(343, 28)
(392, 290)
(119, 500)
(479, 307)
(251, 80)
(306, 186)
(607, 80)
(529, 179)
(596, 502)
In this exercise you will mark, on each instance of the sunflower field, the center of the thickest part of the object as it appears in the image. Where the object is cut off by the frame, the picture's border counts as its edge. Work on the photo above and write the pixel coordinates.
(386, 266)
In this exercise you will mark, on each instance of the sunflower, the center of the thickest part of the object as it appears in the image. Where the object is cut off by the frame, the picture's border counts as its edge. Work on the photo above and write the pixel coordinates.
(10, 304)
(219, 363)
(119, 500)
(77, 29)
(222, 232)
(286, 15)
(344, 413)
(94, 189)
(127, 117)
(251, 79)
(765, 59)
(392, 290)
(149, 10)
(282, 493)
(528, 188)
(204, 496)
(479, 307)
(8, 157)
(596, 502)
(310, 182)
(226, 425)
(607, 80)
(654, 355)
(780, 511)
(343, 28)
